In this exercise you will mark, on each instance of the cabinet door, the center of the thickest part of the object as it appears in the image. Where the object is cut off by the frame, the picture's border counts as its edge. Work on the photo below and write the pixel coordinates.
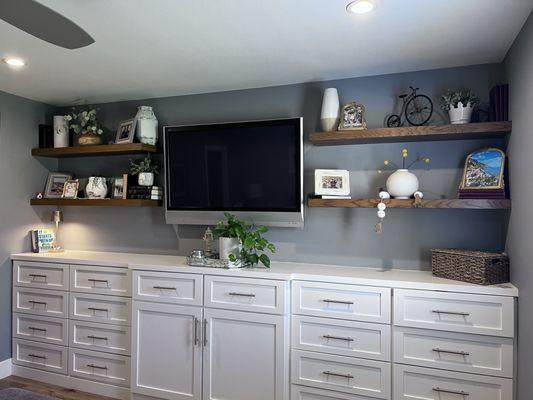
(245, 356)
(166, 353)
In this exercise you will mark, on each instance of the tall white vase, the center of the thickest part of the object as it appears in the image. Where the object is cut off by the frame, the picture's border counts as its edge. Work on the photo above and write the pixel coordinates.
(329, 116)
(60, 131)
(146, 125)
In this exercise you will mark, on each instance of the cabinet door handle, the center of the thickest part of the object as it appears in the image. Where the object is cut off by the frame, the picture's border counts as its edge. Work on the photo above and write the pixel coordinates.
(42, 303)
(337, 301)
(347, 339)
(165, 287)
(461, 353)
(465, 314)
(196, 337)
(95, 281)
(32, 328)
(458, 392)
(98, 309)
(33, 276)
(37, 356)
(205, 332)
(96, 366)
(97, 337)
(241, 294)
(347, 376)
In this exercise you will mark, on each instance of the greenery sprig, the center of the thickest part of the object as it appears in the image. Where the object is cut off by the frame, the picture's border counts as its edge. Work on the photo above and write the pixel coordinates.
(84, 122)
(145, 164)
(405, 154)
(452, 98)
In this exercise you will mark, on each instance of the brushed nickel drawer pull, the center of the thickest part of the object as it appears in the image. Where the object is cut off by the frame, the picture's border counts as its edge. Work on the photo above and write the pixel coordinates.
(241, 294)
(348, 339)
(32, 328)
(95, 281)
(465, 314)
(461, 353)
(347, 376)
(460, 393)
(205, 332)
(97, 337)
(165, 288)
(98, 309)
(337, 301)
(42, 303)
(33, 276)
(37, 356)
(196, 337)
(96, 366)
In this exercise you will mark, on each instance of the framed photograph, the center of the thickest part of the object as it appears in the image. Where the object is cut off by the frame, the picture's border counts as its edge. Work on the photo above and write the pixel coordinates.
(118, 188)
(352, 117)
(332, 182)
(484, 170)
(54, 184)
(70, 189)
(126, 131)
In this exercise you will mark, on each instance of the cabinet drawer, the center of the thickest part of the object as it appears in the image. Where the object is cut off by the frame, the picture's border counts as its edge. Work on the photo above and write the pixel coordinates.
(40, 329)
(259, 295)
(457, 312)
(343, 374)
(100, 337)
(308, 393)
(454, 351)
(101, 280)
(40, 302)
(40, 275)
(360, 303)
(432, 384)
(344, 338)
(43, 356)
(102, 367)
(99, 308)
(186, 289)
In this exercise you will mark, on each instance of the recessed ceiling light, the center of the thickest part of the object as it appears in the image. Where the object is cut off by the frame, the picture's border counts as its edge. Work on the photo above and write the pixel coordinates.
(360, 7)
(14, 62)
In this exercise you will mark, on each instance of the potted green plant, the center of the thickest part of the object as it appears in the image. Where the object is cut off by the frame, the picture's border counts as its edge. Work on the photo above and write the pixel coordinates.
(459, 104)
(241, 243)
(145, 168)
(86, 126)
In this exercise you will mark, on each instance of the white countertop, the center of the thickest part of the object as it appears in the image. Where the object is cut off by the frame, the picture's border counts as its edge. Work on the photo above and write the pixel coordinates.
(405, 279)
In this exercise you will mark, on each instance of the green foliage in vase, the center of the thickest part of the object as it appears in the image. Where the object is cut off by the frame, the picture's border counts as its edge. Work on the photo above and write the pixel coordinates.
(145, 164)
(84, 122)
(451, 98)
(251, 237)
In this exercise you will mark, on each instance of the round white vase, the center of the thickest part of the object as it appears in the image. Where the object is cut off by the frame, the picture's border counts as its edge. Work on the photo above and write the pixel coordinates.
(146, 179)
(402, 184)
(228, 246)
(96, 188)
(60, 131)
(461, 114)
(146, 128)
(329, 115)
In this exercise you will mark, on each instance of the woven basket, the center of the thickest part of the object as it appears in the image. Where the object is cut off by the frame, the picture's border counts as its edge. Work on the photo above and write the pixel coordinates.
(470, 266)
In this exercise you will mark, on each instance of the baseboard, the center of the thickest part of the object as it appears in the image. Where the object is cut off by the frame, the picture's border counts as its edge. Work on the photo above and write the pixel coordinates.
(70, 382)
(6, 368)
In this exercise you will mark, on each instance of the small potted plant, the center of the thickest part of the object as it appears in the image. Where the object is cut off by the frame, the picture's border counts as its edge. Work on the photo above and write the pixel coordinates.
(241, 243)
(145, 168)
(459, 104)
(86, 126)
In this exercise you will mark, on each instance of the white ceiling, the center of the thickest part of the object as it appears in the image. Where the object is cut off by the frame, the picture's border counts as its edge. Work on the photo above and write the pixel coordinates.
(156, 48)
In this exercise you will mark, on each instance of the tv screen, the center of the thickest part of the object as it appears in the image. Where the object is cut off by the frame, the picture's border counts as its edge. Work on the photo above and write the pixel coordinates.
(246, 166)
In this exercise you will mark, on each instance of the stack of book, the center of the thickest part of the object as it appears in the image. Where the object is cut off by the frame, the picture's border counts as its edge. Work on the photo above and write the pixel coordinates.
(499, 103)
(482, 194)
(145, 192)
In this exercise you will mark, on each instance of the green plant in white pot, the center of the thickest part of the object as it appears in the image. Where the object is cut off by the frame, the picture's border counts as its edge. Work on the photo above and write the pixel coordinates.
(145, 168)
(459, 104)
(241, 243)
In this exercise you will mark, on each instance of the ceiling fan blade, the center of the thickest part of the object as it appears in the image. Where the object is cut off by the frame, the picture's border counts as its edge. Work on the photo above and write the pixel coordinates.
(44, 23)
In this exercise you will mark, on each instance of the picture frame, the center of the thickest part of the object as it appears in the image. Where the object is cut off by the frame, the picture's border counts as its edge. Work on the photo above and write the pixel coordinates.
(352, 117)
(334, 182)
(54, 184)
(118, 188)
(70, 189)
(126, 131)
(484, 170)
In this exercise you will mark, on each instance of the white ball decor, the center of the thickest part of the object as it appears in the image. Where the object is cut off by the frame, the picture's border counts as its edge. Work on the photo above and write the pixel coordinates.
(381, 214)
(382, 206)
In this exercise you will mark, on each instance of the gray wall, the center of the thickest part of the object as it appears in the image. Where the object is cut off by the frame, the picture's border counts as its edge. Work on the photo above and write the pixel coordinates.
(22, 176)
(330, 235)
(519, 70)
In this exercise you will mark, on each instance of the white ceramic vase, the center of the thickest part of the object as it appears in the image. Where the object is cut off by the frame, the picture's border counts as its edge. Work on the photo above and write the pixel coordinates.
(146, 179)
(461, 114)
(329, 116)
(402, 184)
(146, 128)
(60, 131)
(96, 188)
(229, 246)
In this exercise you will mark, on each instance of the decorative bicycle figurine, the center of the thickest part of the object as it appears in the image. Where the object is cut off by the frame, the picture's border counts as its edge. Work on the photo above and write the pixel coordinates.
(417, 109)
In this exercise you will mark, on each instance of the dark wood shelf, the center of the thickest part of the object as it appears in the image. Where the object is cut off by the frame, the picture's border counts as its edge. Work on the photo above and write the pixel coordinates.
(96, 202)
(482, 130)
(474, 204)
(91, 151)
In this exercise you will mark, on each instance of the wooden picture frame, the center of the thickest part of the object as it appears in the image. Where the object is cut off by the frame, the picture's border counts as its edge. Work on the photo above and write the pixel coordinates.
(54, 184)
(484, 170)
(126, 131)
(333, 182)
(70, 189)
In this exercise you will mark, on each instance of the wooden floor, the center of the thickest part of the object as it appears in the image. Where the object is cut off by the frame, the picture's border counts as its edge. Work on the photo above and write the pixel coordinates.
(46, 389)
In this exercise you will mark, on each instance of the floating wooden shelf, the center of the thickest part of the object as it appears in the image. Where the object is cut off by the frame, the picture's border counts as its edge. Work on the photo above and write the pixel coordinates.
(479, 204)
(100, 150)
(96, 202)
(482, 130)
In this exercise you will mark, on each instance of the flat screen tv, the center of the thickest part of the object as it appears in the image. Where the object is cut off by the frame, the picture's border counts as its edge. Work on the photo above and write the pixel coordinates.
(252, 169)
